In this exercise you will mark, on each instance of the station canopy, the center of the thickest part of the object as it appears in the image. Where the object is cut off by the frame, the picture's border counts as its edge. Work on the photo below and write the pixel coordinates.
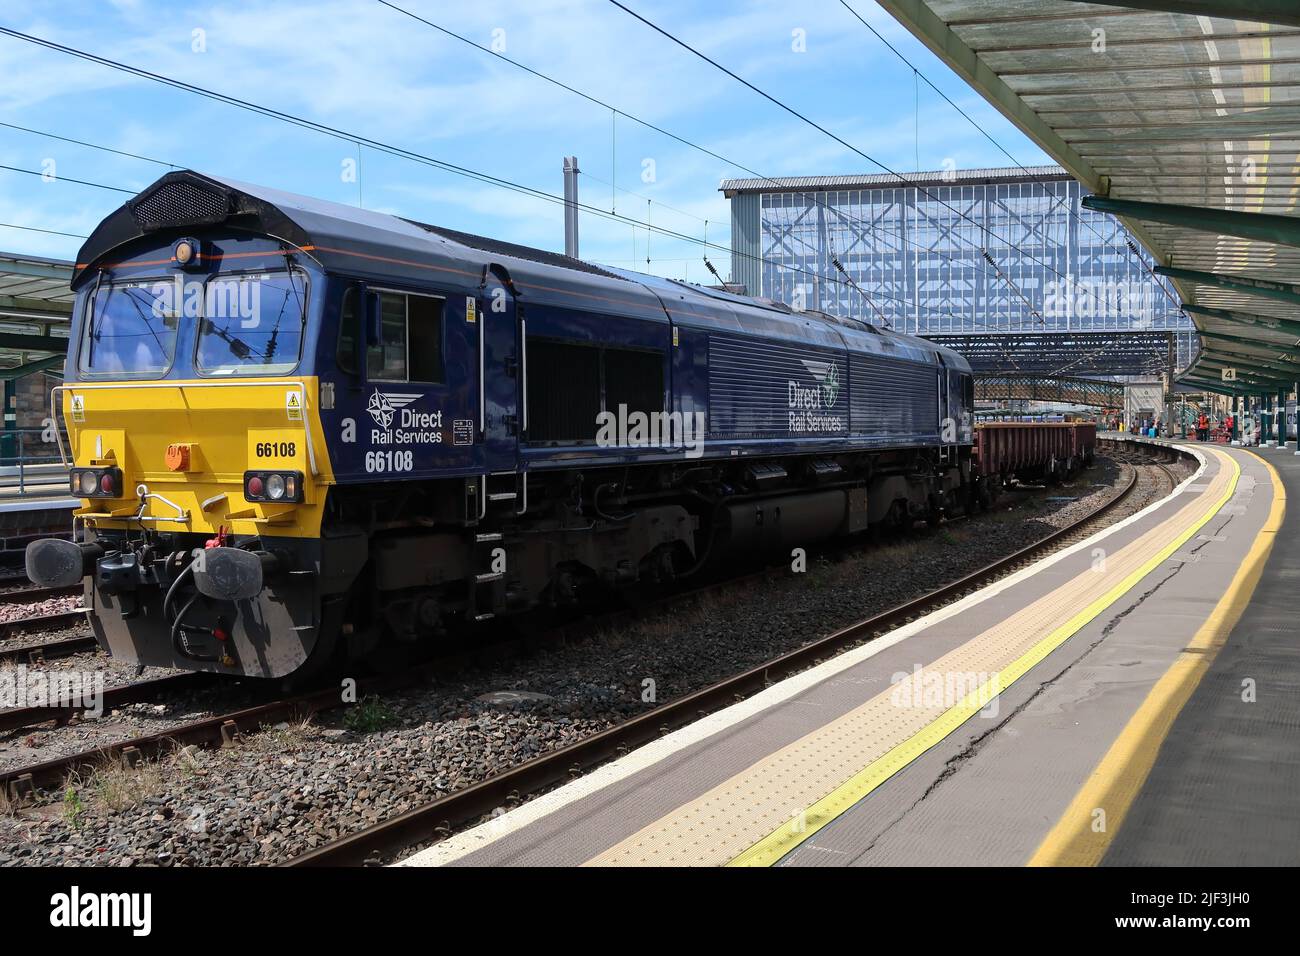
(35, 306)
(1183, 118)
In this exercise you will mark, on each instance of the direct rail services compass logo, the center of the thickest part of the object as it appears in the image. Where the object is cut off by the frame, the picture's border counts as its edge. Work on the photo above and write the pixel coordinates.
(382, 405)
(831, 385)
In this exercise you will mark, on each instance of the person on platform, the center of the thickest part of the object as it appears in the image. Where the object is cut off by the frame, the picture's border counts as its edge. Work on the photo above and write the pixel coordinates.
(1203, 428)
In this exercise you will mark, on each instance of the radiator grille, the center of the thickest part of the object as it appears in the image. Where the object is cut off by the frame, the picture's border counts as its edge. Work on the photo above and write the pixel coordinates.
(893, 398)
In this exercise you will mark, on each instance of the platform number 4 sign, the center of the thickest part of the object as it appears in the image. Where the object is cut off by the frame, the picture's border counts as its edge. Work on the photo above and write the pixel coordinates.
(1229, 374)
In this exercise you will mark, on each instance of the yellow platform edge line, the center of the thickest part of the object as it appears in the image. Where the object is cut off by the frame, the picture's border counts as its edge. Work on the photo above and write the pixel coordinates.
(785, 838)
(1117, 779)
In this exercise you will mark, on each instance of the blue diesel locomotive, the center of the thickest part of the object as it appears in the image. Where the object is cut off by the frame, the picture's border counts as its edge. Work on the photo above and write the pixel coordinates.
(302, 430)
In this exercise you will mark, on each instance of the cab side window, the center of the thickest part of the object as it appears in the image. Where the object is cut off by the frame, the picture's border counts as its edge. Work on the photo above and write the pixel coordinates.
(409, 348)
(349, 327)
(386, 359)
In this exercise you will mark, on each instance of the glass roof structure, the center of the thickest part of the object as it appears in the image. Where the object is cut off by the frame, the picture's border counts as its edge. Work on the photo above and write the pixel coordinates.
(1182, 117)
(35, 305)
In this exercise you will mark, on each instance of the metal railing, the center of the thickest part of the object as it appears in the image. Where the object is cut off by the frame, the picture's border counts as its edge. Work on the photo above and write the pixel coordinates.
(29, 464)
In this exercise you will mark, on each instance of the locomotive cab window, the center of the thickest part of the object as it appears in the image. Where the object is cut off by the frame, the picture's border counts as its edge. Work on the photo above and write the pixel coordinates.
(349, 325)
(409, 347)
(130, 328)
(252, 323)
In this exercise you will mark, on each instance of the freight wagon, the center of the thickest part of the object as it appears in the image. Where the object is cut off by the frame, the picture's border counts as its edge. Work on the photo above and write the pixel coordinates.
(1031, 452)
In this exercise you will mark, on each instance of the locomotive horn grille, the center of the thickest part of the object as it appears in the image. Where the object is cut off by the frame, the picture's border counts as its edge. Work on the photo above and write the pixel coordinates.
(181, 203)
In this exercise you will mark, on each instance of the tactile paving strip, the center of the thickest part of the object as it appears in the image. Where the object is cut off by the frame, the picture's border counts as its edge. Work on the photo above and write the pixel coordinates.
(762, 812)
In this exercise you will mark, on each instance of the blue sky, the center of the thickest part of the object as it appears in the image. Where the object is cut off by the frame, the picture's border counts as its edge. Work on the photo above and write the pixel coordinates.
(362, 67)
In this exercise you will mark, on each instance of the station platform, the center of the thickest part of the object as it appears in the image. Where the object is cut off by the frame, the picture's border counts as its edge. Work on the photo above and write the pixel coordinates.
(1131, 699)
(39, 513)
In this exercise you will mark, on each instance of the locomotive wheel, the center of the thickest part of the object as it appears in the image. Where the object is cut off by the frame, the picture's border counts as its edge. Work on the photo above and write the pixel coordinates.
(896, 518)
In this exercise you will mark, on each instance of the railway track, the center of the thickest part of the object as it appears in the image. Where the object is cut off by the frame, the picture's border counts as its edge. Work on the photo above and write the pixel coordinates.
(17, 718)
(221, 729)
(41, 622)
(28, 595)
(441, 816)
(47, 650)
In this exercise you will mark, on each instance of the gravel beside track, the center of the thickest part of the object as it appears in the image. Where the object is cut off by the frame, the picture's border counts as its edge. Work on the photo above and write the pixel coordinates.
(54, 605)
(296, 786)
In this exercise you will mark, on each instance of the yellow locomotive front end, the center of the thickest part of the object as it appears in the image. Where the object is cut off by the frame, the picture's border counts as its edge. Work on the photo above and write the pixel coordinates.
(202, 504)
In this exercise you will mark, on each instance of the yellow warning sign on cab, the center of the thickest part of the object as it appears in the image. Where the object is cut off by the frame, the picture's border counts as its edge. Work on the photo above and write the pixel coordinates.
(293, 406)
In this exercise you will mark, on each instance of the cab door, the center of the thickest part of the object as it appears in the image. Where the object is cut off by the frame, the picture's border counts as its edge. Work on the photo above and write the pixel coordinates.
(500, 372)
(502, 405)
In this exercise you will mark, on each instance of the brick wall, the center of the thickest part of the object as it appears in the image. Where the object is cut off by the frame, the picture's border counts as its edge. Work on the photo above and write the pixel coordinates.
(31, 408)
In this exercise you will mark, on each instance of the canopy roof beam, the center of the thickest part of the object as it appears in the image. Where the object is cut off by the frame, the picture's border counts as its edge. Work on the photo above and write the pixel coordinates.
(1209, 385)
(1263, 11)
(1271, 349)
(1250, 362)
(917, 16)
(1282, 291)
(1256, 379)
(40, 365)
(33, 343)
(1265, 227)
(1287, 326)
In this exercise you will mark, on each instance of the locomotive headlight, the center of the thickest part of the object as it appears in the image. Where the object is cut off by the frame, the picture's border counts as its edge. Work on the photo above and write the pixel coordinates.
(88, 483)
(275, 487)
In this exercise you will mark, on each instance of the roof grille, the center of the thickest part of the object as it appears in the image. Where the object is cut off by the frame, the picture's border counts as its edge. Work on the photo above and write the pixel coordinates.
(181, 203)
